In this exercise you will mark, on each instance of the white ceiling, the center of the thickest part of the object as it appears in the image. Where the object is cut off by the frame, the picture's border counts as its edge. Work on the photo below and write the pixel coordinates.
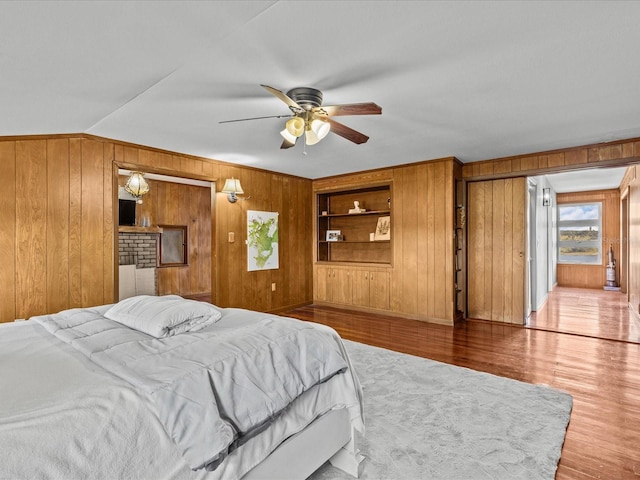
(587, 180)
(475, 80)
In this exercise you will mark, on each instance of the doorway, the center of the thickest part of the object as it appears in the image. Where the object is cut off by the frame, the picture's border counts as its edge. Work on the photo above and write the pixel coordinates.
(173, 203)
(532, 247)
(588, 309)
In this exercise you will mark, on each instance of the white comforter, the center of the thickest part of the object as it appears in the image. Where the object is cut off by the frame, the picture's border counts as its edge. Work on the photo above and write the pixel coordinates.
(62, 416)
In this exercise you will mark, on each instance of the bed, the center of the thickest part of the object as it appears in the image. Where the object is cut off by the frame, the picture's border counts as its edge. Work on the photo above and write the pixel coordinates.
(112, 392)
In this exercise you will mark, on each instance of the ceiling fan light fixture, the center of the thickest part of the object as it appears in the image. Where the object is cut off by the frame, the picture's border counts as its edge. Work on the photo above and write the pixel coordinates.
(288, 137)
(295, 126)
(310, 137)
(320, 128)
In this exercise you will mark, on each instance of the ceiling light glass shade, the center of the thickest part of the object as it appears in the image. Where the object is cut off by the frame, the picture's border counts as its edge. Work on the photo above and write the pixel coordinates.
(310, 137)
(288, 137)
(137, 186)
(321, 128)
(232, 185)
(295, 126)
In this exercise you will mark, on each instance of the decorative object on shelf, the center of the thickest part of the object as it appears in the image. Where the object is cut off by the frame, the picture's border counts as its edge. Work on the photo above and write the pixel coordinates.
(372, 237)
(383, 229)
(324, 213)
(137, 186)
(262, 241)
(334, 235)
(546, 197)
(356, 208)
(461, 217)
(232, 188)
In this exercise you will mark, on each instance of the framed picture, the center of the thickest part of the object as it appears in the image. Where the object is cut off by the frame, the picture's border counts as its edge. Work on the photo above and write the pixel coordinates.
(262, 241)
(383, 229)
(333, 235)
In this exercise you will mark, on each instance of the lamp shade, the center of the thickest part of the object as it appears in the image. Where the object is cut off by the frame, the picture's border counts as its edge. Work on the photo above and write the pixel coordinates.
(288, 137)
(232, 185)
(295, 126)
(137, 186)
(321, 128)
(310, 137)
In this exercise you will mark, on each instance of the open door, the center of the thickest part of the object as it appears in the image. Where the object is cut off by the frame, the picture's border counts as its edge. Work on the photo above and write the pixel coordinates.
(496, 259)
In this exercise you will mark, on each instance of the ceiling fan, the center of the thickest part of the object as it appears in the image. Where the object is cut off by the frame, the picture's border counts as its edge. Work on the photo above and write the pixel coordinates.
(313, 120)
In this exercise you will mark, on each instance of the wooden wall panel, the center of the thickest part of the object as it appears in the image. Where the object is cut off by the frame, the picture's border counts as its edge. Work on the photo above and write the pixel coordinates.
(518, 249)
(423, 228)
(75, 221)
(594, 276)
(8, 231)
(31, 233)
(496, 239)
(109, 228)
(406, 285)
(617, 153)
(92, 218)
(632, 182)
(425, 254)
(56, 206)
(422, 271)
(57, 239)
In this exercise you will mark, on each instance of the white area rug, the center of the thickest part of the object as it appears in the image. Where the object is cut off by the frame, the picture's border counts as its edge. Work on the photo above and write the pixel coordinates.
(430, 420)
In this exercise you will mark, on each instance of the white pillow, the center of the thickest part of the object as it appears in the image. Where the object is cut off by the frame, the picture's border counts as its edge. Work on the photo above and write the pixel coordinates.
(163, 316)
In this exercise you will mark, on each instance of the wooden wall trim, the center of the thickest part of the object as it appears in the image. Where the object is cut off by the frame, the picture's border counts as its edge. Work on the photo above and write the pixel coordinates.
(611, 154)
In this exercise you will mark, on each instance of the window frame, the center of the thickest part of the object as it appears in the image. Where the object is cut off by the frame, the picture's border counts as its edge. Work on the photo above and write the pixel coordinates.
(174, 248)
(562, 259)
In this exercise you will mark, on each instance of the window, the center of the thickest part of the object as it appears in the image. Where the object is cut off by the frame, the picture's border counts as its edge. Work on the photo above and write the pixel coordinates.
(580, 233)
(173, 246)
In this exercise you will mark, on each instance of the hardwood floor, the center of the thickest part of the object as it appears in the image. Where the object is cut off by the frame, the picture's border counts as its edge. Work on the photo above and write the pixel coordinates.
(603, 376)
(596, 313)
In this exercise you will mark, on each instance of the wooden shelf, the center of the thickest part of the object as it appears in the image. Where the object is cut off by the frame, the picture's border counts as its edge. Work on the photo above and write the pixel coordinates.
(354, 241)
(133, 229)
(355, 227)
(368, 212)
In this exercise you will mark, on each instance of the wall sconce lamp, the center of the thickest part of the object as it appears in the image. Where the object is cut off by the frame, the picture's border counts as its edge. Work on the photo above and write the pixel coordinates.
(232, 188)
(137, 186)
(546, 197)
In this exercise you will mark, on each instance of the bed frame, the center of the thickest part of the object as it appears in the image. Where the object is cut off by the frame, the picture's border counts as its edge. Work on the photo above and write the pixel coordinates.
(330, 437)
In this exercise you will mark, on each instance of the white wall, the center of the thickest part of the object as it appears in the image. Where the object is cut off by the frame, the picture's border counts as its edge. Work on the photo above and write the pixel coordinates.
(546, 257)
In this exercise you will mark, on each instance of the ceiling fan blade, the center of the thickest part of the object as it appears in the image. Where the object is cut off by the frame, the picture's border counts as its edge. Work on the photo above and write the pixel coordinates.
(283, 96)
(286, 144)
(348, 133)
(368, 108)
(255, 118)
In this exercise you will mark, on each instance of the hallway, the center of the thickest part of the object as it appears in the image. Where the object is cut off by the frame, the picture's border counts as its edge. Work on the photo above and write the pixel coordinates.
(592, 313)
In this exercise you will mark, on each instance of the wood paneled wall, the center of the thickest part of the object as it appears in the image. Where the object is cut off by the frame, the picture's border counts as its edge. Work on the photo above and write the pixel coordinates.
(621, 152)
(630, 187)
(422, 273)
(497, 250)
(594, 276)
(170, 203)
(57, 237)
(58, 247)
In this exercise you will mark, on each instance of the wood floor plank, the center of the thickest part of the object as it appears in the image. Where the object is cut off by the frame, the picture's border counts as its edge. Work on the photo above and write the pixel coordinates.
(602, 375)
